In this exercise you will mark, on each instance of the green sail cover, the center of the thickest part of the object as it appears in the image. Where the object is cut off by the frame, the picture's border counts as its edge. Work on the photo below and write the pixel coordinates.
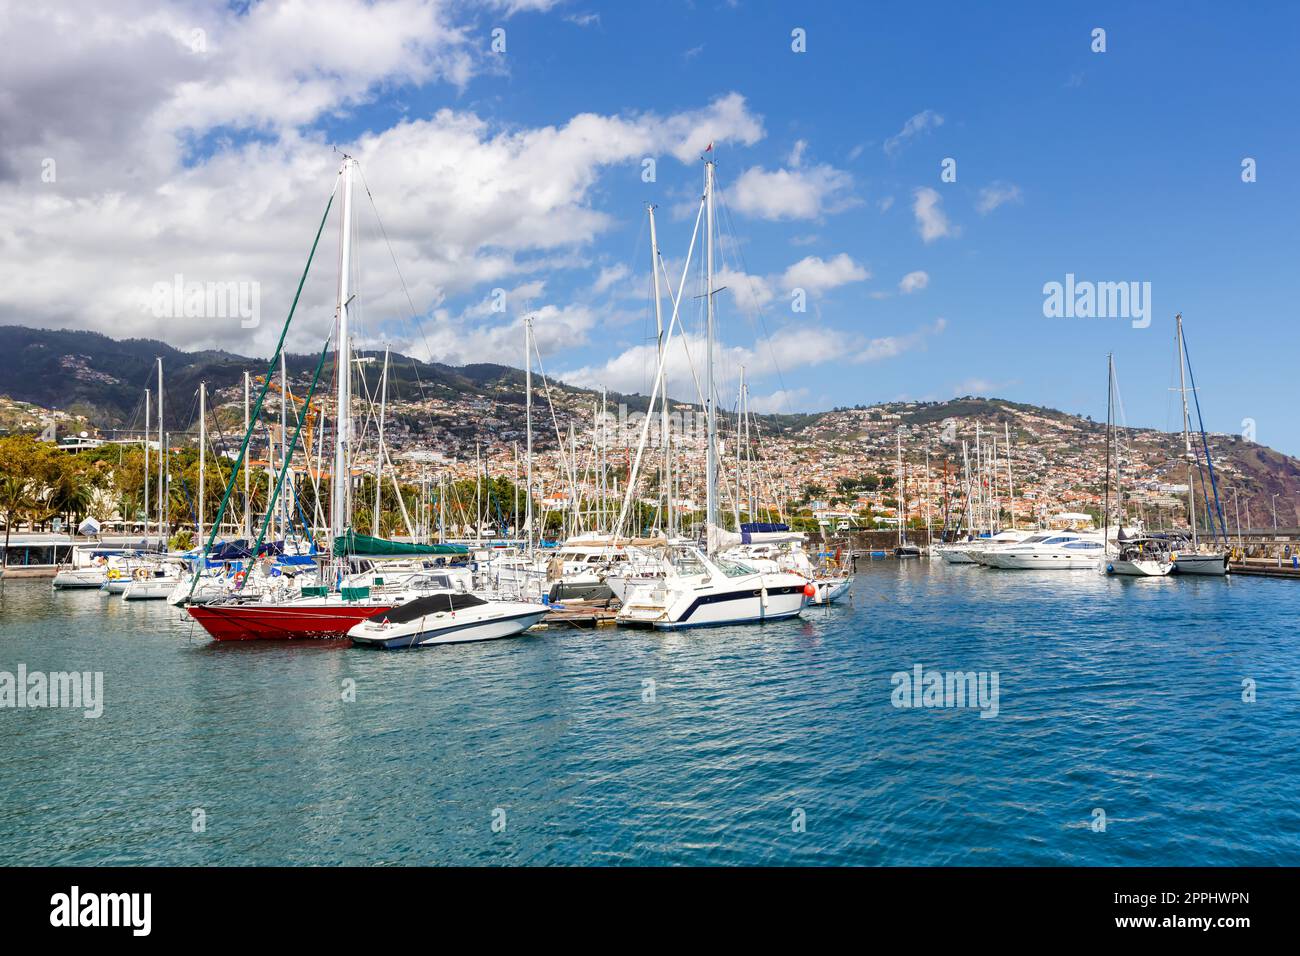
(363, 545)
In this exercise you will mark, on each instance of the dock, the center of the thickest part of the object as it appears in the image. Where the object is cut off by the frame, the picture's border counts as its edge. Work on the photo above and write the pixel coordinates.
(1261, 569)
(580, 617)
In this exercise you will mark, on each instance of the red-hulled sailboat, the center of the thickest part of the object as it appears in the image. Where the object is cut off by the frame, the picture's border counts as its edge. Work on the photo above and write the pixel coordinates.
(321, 612)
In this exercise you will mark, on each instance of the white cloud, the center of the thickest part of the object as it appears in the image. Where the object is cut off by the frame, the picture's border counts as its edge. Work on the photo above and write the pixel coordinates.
(802, 193)
(216, 174)
(609, 276)
(931, 221)
(782, 401)
(796, 153)
(816, 275)
(915, 126)
(913, 282)
(892, 346)
(751, 293)
(996, 194)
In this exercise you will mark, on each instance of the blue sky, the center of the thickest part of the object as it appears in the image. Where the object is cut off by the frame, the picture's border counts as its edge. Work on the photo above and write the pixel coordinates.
(1123, 165)
(1127, 164)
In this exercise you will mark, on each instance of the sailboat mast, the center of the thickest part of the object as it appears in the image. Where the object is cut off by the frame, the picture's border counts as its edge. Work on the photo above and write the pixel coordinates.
(248, 517)
(528, 415)
(1110, 406)
(284, 442)
(1011, 490)
(162, 518)
(902, 500)
(379, 451)
(664, 440)
(147, 425)
(711, 458)
(203, 454)
(343, 363)
(1187, 437)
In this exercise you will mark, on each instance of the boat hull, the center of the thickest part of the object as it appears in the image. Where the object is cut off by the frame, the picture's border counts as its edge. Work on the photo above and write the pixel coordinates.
(281, 622)
(81, 578)
(830, 590)
(445, 629)
(1139, 568)
(151, 590)
(745, 606)
(1209, 564)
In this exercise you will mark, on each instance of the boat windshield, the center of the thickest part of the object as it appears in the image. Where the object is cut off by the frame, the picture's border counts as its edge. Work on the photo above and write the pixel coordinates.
(733, 569)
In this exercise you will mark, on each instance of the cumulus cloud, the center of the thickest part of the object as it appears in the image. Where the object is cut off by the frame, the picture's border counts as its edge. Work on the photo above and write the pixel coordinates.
(914, 127)
(195, 153)
(913, 282)
(931, 221)
(804, 192)
(815, 275)
(996, 194)
(892, 346)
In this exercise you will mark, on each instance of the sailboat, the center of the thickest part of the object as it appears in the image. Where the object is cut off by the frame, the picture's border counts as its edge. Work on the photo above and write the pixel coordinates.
(1135, 556)
(1196, 559)
(905, 548)
(699, 586)
(320, 611)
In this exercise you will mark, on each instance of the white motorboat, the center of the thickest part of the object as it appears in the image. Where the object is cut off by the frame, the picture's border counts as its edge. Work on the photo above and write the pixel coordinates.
(698, 591)
(977, 551)
(1049, 551)
(446, 617)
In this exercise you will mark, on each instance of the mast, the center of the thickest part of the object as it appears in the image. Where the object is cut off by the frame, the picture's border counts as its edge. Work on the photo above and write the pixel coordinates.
(343, 363)
(1011, 490)
(902, 500)
(162, 517)
(147, 424)
(1110, 405)
(284, 442)
(203, 454)
(379, 452)
(740, 443)
(1187, 437)
(248, 516)
(711, 458)
(528, 415)
(478, 493)
(664, 439)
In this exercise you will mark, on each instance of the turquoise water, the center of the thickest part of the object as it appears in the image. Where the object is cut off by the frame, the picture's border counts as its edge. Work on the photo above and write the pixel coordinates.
(1114, 694)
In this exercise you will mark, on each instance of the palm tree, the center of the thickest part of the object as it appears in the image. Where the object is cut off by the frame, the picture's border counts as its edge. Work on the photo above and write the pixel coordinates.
(15, 500)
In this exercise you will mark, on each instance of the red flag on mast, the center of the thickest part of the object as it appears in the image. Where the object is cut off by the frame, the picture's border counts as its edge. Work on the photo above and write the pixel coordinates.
(709, 148)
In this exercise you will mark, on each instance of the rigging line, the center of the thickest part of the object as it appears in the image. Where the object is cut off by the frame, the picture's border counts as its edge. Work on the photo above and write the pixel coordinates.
(1205, 444)
(261, 395)
(762, 318)
(428, 350)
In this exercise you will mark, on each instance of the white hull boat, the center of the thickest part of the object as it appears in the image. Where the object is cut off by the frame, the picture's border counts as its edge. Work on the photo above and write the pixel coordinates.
(447, 618)
(697, 591)
(1195, 562)
(1140, 567)
(150, 589)
(71, 578)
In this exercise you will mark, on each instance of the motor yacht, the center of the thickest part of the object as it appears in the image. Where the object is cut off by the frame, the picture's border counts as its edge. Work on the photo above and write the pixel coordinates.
(698, 591)
(1049, 551)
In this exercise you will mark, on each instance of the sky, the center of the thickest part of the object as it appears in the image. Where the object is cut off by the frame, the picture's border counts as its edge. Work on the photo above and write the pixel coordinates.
(898, 186)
